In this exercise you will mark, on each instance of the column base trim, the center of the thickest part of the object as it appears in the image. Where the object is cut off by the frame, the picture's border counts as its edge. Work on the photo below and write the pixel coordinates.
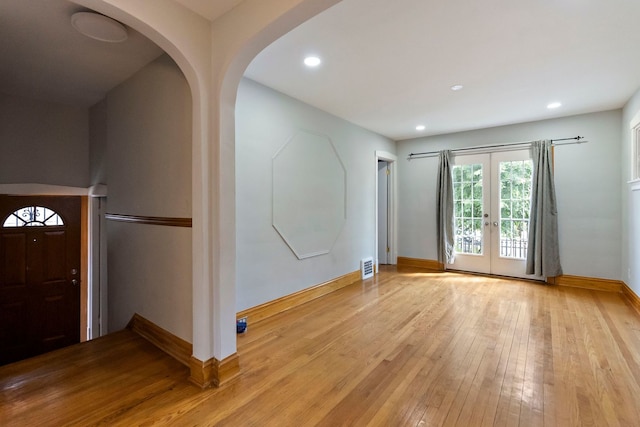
(213, 372)
(631, 296)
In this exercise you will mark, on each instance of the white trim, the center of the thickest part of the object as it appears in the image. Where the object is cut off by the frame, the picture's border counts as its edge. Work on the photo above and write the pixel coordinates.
(393, 201)
(97, 269)
(98, 190)
(35, 189)
(635, 121)
(42, 190)
(634, 125)
(634, 185)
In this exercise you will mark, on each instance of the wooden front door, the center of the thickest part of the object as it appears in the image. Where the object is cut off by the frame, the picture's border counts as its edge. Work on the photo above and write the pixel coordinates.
(39, 275)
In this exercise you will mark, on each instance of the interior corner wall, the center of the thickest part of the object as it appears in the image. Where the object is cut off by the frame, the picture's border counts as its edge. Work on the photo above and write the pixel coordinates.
(43, 142)
(587, 180)
(98, 143)
(266, 268)
(148, 134)
(630, 202)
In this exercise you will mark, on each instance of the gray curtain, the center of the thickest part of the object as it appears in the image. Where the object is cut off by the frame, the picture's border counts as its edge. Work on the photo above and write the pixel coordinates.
(543, 255)
(445, 210)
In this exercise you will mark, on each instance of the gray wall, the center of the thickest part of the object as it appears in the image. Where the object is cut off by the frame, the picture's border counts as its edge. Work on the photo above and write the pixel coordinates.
(266, 268)
(587, 179)
(630, 203)
(148, 165)
(98, 143)
(44, 143)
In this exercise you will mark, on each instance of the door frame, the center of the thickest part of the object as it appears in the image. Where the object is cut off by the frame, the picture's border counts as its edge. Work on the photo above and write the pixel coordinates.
(392, 236)
(491, 262)
(506, 266)
(88, 297)
(383, 212)
(474, 263)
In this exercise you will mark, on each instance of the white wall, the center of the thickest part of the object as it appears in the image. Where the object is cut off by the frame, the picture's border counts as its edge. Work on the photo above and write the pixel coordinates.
(630, 203)
(213, 56)
(266, 268)
(43, 142)
(587, 179)
(148, 165)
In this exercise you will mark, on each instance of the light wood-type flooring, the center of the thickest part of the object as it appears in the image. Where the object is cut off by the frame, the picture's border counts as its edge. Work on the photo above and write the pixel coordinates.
(408, 347)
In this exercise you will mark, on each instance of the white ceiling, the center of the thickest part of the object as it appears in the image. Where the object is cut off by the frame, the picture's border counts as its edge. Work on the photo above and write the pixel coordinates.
(389, 65)
(44, 57)
(210, 9)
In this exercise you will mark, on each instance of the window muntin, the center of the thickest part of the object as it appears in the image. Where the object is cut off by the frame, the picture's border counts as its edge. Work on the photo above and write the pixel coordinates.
(33, 216)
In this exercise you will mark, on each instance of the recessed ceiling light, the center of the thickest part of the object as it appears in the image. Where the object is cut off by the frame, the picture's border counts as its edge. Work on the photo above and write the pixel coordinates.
(456, 87)
(554, 105)
(99, 27)
(421, 127)
(312, 61)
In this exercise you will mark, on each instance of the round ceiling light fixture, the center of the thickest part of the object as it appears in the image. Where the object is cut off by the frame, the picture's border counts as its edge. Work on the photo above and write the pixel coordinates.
(99, 27)
(312, 61)
(421, 127)
(457, 87)
(554, 105)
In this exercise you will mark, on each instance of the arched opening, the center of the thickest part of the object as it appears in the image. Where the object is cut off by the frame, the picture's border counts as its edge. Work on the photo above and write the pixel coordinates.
(190, 40)
(145, 129)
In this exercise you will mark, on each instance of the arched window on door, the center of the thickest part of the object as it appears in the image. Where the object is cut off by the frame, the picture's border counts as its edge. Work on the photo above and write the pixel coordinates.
(33, 216)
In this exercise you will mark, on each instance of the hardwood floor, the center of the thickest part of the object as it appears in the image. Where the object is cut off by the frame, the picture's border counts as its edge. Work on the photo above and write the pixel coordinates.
(405, 348)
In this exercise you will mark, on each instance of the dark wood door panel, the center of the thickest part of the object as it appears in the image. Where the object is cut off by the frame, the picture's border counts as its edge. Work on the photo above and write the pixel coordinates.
(15, 343)
(53, 329)
(39, 278)
(54, 258)
(13, 250)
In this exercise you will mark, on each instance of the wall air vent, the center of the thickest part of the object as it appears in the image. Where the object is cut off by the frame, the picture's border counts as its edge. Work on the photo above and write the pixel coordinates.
(366, 268)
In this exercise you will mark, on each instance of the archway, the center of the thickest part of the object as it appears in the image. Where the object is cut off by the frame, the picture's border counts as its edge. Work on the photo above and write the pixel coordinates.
(191, 40)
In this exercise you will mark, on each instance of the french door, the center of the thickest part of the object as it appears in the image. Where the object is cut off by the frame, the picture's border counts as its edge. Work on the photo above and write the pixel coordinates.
(492, 201)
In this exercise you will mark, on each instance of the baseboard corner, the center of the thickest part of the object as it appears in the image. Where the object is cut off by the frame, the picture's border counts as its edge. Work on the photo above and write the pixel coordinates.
(631, 296)
(213, 372)
(174, 346)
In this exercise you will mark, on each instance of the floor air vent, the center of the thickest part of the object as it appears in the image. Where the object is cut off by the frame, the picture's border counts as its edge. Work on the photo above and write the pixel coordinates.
(366, 267)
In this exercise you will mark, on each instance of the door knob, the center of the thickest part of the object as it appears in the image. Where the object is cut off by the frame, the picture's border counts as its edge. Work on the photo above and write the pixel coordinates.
(495, 223)
(74, 282)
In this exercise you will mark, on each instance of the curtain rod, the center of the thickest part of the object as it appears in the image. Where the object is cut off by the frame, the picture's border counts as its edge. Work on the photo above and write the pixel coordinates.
(577, 139)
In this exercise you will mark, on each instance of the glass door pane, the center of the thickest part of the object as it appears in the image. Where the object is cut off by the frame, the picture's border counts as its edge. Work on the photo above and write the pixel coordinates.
(471, 211)
(512, 172)
(515, 205)
(467, 196)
